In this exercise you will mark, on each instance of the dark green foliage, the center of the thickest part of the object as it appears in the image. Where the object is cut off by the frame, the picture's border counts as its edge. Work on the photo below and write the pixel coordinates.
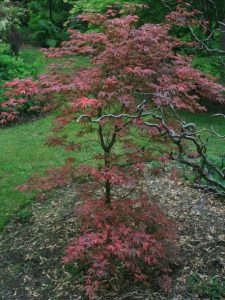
(44, 33)
(45, 22)
(213, 11)
(210, 287)
(56, 11)
(76, 270)
(212, 65)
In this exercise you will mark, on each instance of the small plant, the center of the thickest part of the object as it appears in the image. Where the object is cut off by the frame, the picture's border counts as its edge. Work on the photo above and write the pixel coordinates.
(131, 235)
(11, 67)
(24, 216)
(212, 287)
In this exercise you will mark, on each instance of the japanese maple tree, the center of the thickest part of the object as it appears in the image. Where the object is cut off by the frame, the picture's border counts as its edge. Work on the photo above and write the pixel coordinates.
(120, 227)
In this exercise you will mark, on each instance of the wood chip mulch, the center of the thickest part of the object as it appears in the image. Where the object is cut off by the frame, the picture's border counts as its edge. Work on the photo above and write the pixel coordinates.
(30, 253)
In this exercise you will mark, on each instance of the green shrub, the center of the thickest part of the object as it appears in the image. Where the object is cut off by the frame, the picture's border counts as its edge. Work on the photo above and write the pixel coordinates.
(212, 287)
(10, 66)
(44, 33)
(4, 48)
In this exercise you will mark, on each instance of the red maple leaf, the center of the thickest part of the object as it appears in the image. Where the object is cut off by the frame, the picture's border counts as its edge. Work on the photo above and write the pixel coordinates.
(85, 102)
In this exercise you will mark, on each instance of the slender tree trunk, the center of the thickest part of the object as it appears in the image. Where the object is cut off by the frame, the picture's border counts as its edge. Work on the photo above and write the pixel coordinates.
(107, 183)
(50, 10)
(108, 192)
(107, 147)
(106, 150)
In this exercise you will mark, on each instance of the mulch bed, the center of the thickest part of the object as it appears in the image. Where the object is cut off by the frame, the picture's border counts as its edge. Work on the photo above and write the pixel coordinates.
(30, 253)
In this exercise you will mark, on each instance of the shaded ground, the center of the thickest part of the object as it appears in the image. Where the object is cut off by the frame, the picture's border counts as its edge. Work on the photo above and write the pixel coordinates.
(30, 266)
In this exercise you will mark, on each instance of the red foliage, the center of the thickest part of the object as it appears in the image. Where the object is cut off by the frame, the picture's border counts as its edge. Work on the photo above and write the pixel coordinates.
(133, 234)
(183, 16)
(127, 60)
(85, 102)
(57, 177)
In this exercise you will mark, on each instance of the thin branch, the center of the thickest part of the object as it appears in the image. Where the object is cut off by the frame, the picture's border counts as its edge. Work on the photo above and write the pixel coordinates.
(186, 132)
(202, 44)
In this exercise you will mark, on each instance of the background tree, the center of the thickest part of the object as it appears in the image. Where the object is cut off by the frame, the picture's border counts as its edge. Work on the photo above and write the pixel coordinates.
(44, 21)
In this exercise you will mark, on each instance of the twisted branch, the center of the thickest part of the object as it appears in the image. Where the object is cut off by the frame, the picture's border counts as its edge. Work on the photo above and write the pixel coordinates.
(209, 176)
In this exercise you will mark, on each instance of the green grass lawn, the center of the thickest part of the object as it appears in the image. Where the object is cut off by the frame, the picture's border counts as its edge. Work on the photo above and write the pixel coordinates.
(34, 59)
(216, 146)
(22, 153)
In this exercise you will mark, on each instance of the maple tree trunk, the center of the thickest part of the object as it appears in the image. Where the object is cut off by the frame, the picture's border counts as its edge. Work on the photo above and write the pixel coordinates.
(107, 183)
(50, 10)
(108, 192)
(106, 150)
(107, 147)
